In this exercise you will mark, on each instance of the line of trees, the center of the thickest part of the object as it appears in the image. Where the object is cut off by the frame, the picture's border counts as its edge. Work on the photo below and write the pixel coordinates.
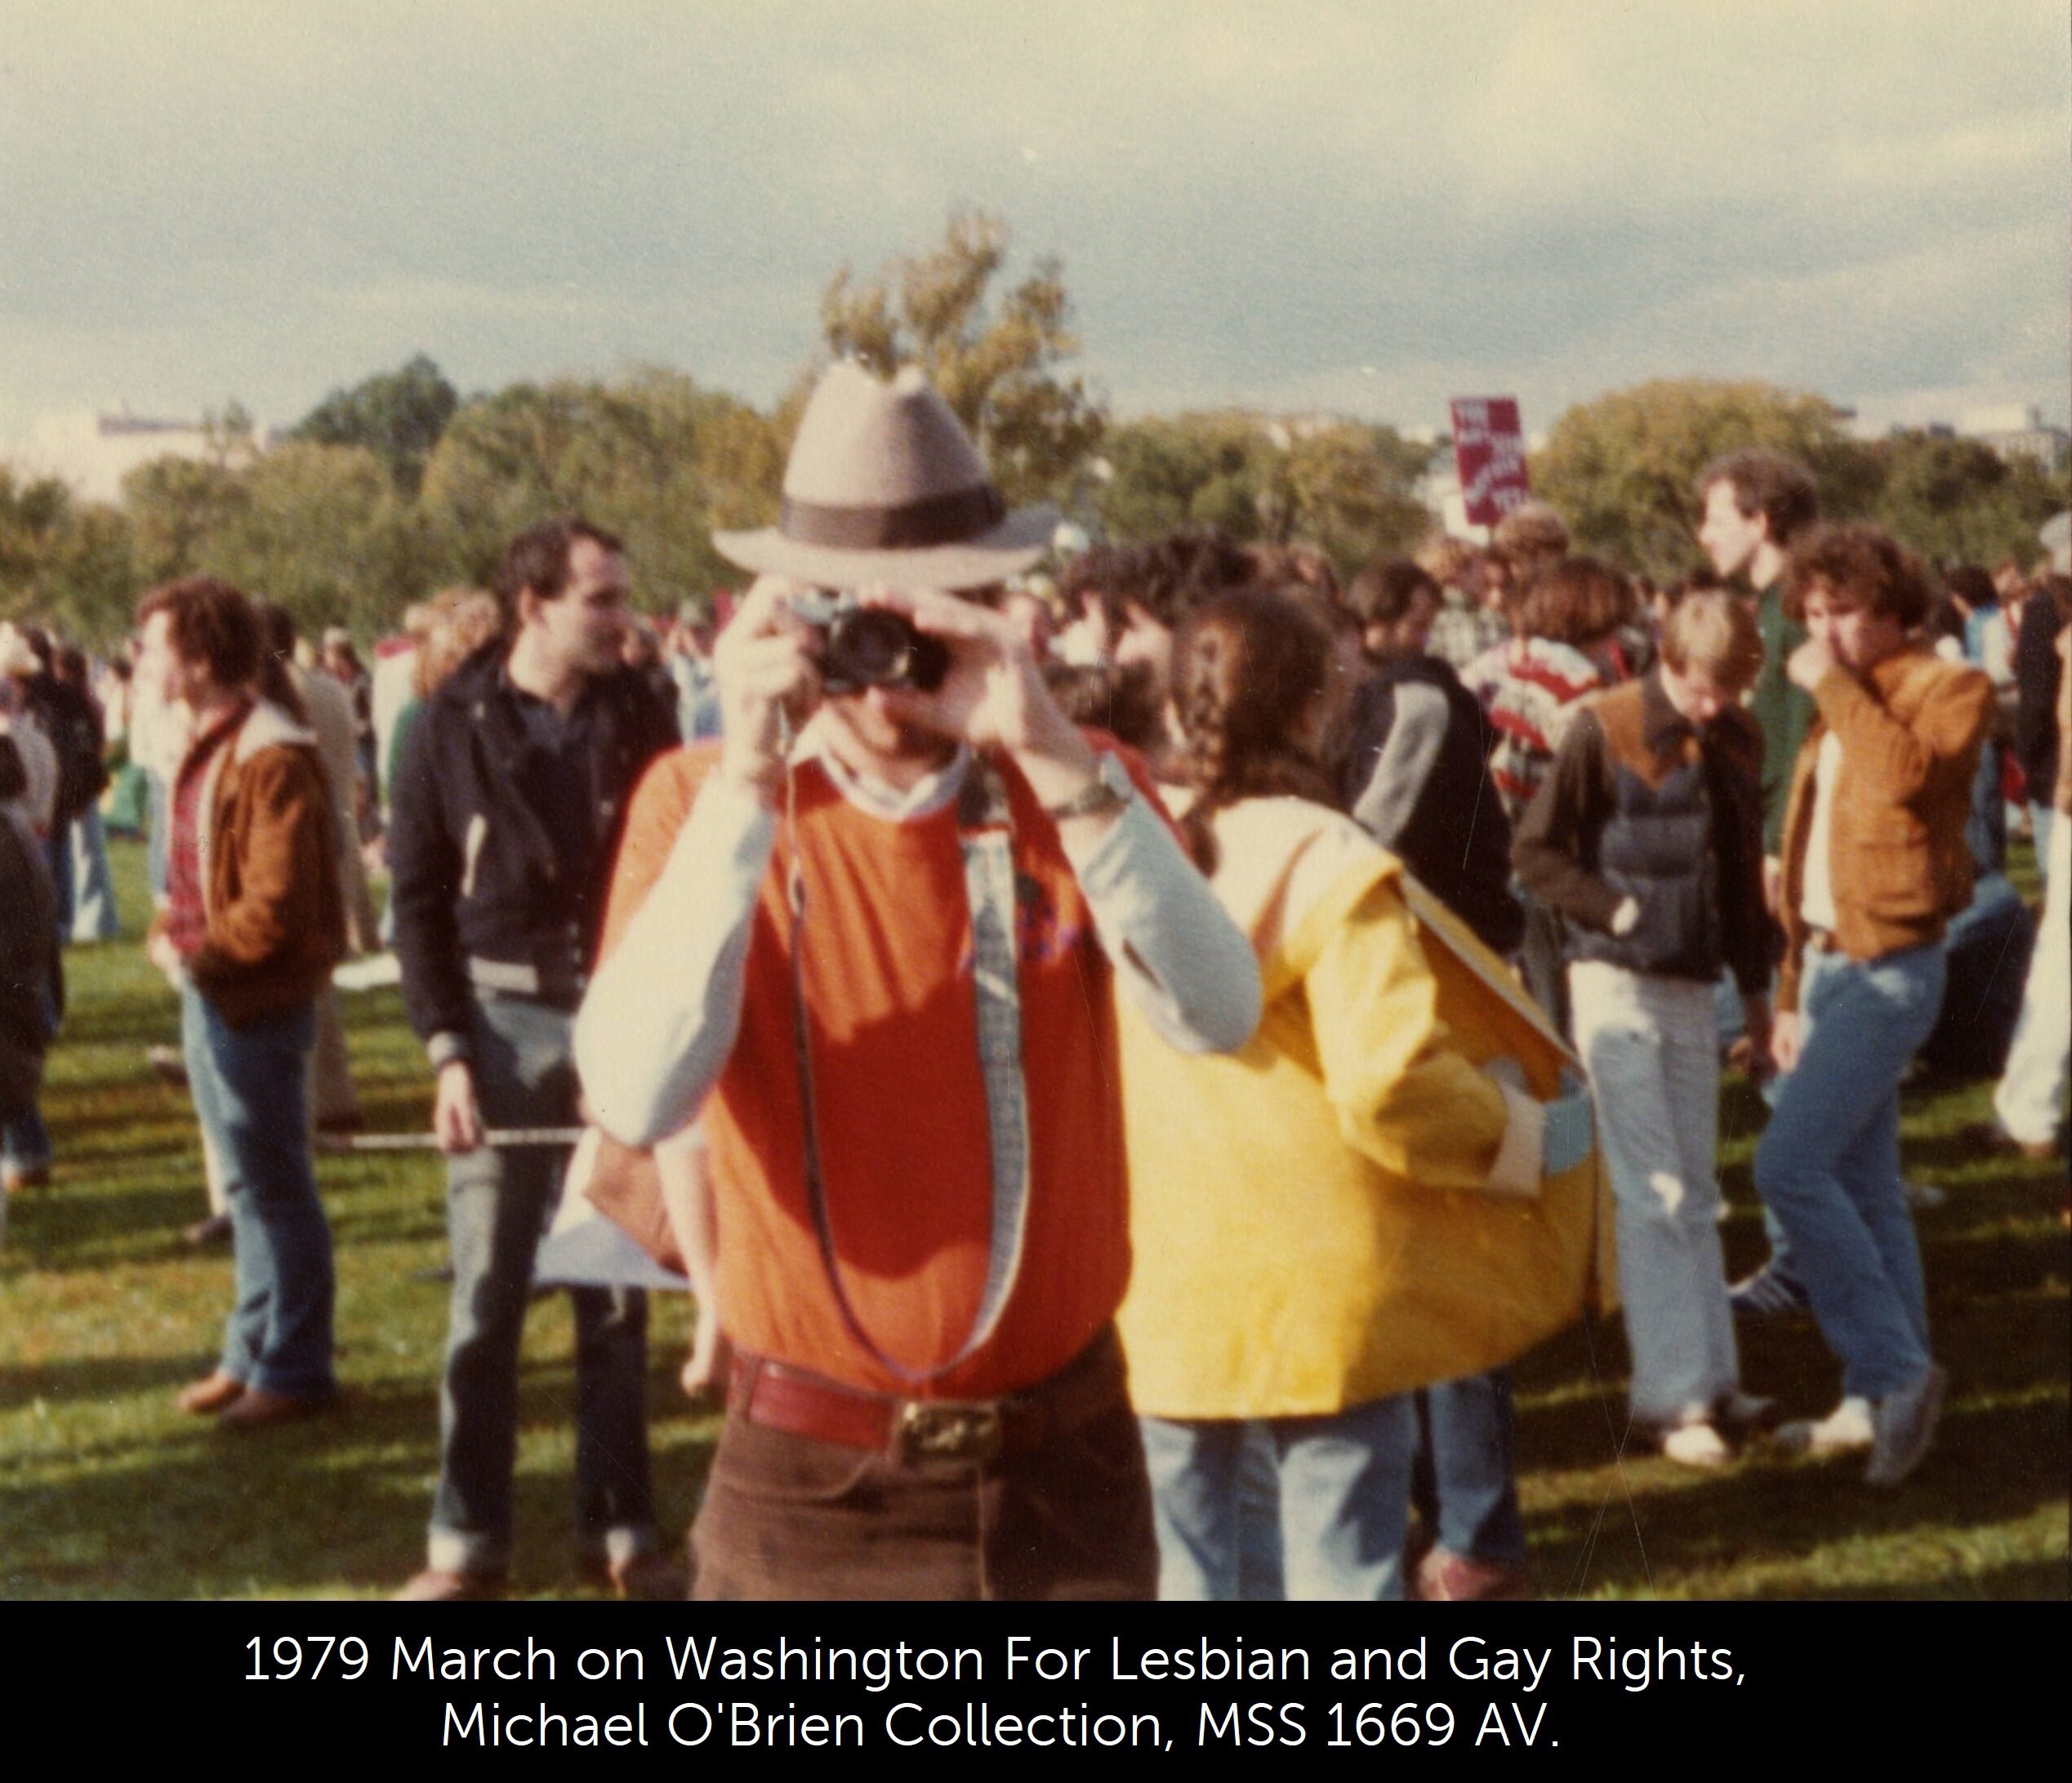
(397, 486)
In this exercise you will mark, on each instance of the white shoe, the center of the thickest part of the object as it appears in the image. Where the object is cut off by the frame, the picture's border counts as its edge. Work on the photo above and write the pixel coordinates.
(1923, 1196)
(1697, 1445)
(1905, 1425)
(1843, 1431)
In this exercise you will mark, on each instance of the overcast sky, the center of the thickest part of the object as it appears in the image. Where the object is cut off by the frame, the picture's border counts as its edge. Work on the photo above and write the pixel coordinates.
(1365, 207)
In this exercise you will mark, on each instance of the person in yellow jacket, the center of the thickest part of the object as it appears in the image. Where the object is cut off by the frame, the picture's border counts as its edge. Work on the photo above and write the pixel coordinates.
(1391, 1185)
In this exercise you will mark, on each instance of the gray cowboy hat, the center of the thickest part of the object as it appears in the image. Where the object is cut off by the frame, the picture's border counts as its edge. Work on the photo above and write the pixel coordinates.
(884, 485)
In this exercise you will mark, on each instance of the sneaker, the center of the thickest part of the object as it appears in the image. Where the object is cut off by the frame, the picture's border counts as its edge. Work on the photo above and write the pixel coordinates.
(1842, 1431)
(1444, 1576)
(1923, 1197)
(1768, 1294)
(1695, 1445)
(18, 1179)
(1905, 1424)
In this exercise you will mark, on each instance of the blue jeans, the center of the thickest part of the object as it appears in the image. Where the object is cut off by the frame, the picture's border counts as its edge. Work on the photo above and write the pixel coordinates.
(249, 1085)
(25, 1142)
(93, 917)
(498, 1203)
(1828, 1163)
(57, 856)
(1464, 1480)
(1344, 1488)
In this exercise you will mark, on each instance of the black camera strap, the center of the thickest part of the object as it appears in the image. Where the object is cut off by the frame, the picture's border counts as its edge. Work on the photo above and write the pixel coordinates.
(985, 835)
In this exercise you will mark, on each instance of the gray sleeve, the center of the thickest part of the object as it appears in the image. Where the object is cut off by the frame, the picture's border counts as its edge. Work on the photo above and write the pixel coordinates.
(1177, 954)
(1403, 764)
(662, 1014)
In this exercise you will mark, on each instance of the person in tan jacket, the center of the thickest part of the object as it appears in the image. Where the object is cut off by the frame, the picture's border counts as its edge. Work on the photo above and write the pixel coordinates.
(253, 925)
(1874, 865)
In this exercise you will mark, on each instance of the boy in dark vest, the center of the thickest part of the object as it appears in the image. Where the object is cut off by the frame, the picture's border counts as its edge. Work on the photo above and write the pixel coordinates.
(1646, 836)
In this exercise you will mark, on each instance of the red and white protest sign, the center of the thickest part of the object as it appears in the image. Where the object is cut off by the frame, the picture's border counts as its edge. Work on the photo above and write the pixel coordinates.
(1489, 451)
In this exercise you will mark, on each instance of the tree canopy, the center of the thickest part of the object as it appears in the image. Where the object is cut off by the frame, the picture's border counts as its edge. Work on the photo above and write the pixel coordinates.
(398, 415)
(394, 487)
(998, 365)
(1621, 469)
(1346, 486)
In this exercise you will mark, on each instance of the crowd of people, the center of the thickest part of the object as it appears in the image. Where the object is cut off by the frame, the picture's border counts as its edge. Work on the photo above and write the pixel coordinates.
(1126, 1049)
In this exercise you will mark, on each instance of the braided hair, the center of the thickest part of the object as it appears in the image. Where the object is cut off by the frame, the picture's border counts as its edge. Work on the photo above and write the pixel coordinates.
(1247, 667)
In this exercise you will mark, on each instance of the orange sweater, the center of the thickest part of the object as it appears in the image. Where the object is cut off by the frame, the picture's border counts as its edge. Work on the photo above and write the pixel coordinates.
(901, 1099)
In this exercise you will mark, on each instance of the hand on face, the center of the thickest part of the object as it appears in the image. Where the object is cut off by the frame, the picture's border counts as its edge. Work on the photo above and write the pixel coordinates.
(1809, 662)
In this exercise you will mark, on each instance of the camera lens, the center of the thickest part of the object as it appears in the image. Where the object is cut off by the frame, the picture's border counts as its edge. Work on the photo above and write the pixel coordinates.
(876, 648)
(873, 648)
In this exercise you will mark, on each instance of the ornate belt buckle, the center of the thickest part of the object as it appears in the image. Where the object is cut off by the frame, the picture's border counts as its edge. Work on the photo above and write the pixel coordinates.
(947, 1430)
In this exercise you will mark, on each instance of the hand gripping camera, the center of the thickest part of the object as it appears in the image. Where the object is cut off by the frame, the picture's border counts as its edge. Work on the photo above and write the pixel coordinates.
(870, 646)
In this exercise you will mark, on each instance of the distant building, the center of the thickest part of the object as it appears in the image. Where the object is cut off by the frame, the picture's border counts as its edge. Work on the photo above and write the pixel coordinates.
(93, 452)
(2014, 431)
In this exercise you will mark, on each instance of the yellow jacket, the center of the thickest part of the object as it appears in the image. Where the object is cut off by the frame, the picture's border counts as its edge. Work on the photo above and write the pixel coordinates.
(1350, 1206)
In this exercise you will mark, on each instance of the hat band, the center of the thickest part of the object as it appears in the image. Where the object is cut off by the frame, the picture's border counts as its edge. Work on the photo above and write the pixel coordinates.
(936, 520)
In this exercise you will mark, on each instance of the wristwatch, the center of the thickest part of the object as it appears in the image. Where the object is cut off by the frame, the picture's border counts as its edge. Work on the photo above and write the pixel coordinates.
(1109, 789)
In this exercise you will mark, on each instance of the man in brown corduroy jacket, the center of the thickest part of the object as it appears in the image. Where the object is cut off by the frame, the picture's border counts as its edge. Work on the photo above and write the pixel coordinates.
(253, 925)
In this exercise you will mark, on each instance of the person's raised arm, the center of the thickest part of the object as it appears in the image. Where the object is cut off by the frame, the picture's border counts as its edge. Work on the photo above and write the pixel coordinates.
(664, 1006)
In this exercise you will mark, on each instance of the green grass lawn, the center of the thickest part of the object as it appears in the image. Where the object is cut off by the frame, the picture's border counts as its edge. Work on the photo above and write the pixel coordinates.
(106, 1490)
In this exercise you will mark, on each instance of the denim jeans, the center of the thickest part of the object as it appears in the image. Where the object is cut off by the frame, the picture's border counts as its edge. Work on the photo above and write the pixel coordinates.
(498, 1203)
(57, 856)
(1651, 1046)
(249, 1085)
(1828, 1163)
(1464, 1478)
(93, 916)
(1344, 1489)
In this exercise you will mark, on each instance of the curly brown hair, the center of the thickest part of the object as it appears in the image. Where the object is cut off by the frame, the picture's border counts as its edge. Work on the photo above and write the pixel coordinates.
(1864, 565)
(210, 622)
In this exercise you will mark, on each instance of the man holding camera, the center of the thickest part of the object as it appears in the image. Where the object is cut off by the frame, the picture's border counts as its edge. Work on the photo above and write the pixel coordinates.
(508, 803)
(869, 939)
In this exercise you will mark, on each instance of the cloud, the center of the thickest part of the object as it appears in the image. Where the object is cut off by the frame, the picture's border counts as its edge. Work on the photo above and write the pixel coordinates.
(1248, 198)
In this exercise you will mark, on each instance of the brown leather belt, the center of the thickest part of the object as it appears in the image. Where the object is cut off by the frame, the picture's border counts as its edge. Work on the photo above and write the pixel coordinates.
(780, 1397)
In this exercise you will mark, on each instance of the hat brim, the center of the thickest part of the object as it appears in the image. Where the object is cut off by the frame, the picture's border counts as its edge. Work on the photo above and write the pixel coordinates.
(1003, 550)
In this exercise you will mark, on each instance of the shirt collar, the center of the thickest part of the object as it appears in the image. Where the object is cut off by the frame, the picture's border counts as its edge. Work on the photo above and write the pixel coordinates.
(924, 798)
(205, 743)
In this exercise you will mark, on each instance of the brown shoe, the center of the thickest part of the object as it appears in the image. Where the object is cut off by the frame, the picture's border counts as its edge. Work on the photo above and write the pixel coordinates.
(648, 1578)
(37, 1176)
(256, 1407)
(436, 1585)
(1447, 1577)
(215, 1230)
(213, 1394)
